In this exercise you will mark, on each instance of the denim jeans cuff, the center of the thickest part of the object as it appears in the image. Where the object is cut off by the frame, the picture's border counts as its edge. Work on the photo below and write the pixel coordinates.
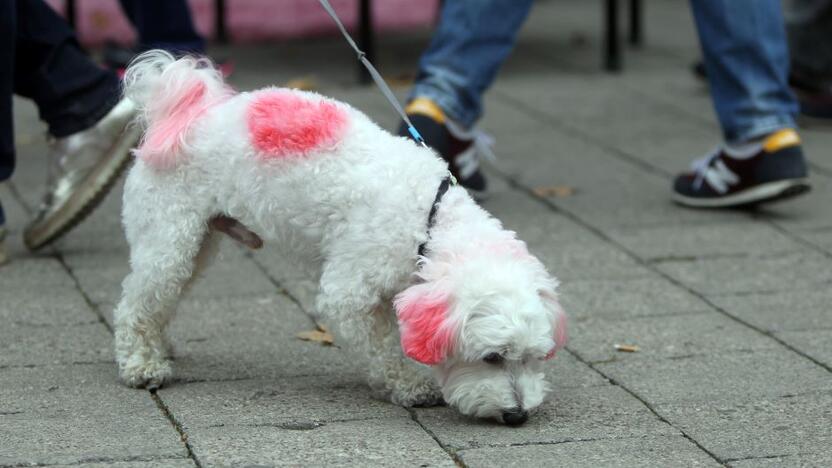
(760, 128)
(455, 110)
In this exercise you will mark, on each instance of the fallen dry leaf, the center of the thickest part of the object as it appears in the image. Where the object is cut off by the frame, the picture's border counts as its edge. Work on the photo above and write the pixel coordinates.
(306, 83)
(320, 335)
(625, 348)
(559, 191)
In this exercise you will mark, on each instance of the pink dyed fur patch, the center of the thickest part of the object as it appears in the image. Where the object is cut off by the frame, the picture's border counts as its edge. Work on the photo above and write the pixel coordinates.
(425, 336)
(163, 140)
(560, 333)
(283, 123)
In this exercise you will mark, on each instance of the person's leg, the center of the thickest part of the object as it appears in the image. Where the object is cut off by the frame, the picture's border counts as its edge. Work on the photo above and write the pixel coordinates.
(164, 24)
(471, 42)
(809, 24)
(809, 28)
(71, 92)
(747, 63)
(7, 35)
(82, 106)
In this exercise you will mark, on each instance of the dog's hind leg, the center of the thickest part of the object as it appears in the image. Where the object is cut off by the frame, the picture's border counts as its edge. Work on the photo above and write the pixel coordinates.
(165, 242)
(365, 324)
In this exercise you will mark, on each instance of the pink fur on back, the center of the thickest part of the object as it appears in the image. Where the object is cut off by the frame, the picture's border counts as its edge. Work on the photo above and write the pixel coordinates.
(283, 123)
(164, 138)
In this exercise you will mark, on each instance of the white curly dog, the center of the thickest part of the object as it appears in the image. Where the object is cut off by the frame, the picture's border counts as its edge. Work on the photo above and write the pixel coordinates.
(409, 267)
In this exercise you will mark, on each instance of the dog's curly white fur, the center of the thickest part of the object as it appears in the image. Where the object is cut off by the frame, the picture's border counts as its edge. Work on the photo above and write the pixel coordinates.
(322, 181)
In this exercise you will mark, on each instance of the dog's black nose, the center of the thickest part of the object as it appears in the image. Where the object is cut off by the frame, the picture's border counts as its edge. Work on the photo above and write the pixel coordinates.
(515, 416)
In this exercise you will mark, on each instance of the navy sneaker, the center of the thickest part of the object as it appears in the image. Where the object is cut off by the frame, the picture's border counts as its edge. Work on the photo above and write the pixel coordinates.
(776, 171)
(456, 146)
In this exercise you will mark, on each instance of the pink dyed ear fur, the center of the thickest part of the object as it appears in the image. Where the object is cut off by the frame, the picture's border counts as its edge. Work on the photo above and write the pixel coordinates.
(558, 322)
(426, 336)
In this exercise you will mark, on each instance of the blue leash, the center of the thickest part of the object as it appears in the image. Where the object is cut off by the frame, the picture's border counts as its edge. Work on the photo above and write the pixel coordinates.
(362, 57)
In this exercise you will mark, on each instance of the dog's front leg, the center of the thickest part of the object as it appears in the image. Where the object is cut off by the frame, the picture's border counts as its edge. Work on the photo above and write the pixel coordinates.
(366, 325)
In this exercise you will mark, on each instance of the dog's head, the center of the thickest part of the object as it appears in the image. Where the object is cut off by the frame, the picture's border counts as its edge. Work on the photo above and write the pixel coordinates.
(486, 323)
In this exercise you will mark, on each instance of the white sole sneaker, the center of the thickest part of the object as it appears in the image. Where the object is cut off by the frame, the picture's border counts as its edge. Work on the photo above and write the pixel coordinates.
(90, 192)
(763, 193)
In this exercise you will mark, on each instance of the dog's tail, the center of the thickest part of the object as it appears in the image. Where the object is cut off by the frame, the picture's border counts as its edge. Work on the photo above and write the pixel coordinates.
(170, 95)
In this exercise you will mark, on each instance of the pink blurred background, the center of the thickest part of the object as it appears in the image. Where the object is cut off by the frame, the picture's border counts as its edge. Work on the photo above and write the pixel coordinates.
(100, 21)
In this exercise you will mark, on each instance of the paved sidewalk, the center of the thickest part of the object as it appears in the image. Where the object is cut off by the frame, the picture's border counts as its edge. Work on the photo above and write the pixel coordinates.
(730, 309)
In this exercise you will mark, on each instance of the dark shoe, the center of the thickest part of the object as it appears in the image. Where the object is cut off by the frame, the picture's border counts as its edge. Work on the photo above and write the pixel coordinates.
(456, 146)
(777, 171)
(82, 169)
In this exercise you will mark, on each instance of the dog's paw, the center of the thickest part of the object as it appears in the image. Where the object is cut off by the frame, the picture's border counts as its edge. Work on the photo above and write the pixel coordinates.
(148, 374)
(422, 393)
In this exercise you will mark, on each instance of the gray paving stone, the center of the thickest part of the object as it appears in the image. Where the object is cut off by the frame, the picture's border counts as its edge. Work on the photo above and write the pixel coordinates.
(24, 272)
(609, 191)
(390, 442)
(232, 274)
(149, 463)
(806, 309)
(566, 371)
(51, 306)
(820, 237)
(822, 458)
(757, 427)
(568, 250)
(674, 337)
(627, 298)
(815, 343)
(630, 452)
(291, 402)
(72, 414)
(806, 270)
(729, 376)
(22, 345)
(249, 337)
(705, 240)
(570, 414)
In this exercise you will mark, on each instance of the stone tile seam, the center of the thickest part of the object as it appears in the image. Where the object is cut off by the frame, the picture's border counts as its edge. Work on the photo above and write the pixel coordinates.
(649, 407)
(702, 297)
(138, 458)
(450, 451)
(183, 436)
(630, 159)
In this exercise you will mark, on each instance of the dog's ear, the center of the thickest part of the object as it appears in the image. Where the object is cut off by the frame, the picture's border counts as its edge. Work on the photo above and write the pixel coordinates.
(558, 321)
(423, 323)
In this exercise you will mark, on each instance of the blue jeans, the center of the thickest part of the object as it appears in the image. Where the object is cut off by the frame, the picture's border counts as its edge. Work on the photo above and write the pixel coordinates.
(744, 44)
(473, 38)
(747, 60)
(41, 60)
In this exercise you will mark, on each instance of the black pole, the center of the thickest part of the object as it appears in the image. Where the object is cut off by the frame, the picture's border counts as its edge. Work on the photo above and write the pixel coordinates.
(70, 13)
(365, 38)
(636, 24)
(219, 21)
(612, 49)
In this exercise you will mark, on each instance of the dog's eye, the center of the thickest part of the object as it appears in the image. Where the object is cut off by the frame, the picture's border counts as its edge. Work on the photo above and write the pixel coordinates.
(493, 358)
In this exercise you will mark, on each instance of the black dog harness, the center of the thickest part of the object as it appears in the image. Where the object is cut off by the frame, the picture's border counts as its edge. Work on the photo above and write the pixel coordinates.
(440, 192)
